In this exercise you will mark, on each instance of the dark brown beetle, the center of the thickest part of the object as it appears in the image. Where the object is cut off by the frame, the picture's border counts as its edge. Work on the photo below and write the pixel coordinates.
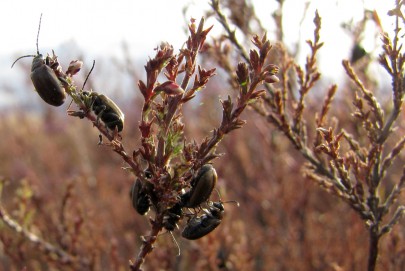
(44, 79)
(140, 198)
(102, 106)
(105, 109)
(199, 226)
(201, 187)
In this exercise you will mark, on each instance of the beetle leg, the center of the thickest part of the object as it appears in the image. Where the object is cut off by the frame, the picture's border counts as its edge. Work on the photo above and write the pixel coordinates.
(79, 114)
(100, 109)
(100, 139)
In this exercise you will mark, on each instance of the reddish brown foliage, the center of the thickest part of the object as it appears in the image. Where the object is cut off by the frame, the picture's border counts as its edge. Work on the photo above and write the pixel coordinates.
(72, 194)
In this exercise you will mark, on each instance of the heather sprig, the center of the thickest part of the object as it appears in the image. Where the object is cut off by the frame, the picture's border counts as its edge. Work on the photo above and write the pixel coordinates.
(166, 161)
(171, 159)
(338, 161)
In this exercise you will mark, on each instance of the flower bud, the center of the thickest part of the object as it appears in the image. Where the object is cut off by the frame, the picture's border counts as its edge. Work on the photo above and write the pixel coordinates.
(74, 67)
(271, 78)
(170, 88)
(271, 68)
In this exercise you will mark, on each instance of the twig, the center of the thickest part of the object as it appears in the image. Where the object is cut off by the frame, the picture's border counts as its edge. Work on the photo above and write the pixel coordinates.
(46, 247)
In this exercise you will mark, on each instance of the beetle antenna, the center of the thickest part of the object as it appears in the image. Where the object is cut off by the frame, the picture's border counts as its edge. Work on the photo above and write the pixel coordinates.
(20, 58)
(231, 201)
(228, 201)
(70, 104)
(39, 28)
(87, 77)
(219, 194)
(177, 244)
(174, 240)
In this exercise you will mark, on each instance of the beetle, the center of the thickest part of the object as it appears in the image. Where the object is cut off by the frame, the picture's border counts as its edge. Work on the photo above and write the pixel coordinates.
(105, 109)
(172, 216)
(142, 194)
(201, 187)
(140, 198)
(43, 77)
(199, 226)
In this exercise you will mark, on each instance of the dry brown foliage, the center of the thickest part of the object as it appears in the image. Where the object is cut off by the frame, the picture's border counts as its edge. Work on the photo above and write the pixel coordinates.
(64, 196)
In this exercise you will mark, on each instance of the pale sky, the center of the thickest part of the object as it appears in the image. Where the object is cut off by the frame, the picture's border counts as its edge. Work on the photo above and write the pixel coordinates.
(99, 27)
(96, 25)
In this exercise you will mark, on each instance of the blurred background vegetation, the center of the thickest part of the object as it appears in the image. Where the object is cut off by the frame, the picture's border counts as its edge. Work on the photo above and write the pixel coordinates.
(60, 184)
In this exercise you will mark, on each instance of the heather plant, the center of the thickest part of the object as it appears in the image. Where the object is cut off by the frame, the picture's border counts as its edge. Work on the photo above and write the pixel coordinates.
(69, 208)
(353, 167)
(167, 163)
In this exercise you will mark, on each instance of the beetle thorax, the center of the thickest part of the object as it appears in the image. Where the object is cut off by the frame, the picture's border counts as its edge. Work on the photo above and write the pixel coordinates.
(37, 62)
